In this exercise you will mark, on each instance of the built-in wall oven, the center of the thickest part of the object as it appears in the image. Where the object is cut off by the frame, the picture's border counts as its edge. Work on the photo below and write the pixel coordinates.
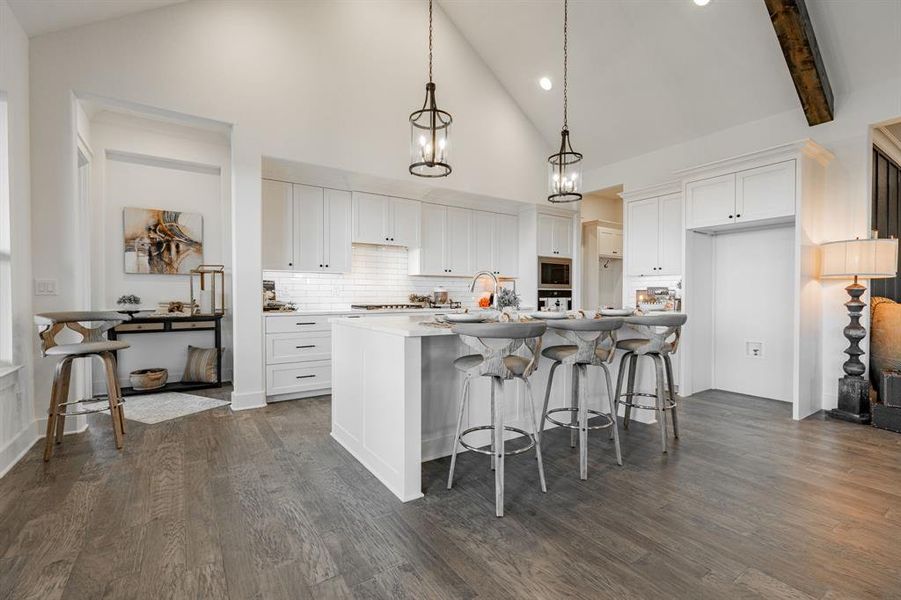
(555, 274)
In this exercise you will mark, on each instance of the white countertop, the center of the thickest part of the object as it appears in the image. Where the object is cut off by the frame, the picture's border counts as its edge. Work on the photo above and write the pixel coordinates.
(356, 311)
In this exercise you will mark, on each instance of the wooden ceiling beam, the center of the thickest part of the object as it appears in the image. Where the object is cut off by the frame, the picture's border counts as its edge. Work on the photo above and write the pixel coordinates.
(802, 55)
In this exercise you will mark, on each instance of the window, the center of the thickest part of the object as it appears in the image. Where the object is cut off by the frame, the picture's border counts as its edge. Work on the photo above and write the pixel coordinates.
(6, 333)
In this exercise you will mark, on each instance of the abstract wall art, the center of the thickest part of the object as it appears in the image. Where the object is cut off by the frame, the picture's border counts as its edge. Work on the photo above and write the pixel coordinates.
(162, 242)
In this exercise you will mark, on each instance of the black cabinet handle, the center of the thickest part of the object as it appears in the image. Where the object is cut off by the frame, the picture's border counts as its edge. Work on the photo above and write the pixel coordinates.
(730, 216)
(738, 216)
(320, 266)
(305, 376)
(307, 346)
(305, 323)
(290, 264)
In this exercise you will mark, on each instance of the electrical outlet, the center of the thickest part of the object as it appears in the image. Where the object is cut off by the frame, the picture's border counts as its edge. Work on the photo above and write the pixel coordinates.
(753, 349)
(45, 287)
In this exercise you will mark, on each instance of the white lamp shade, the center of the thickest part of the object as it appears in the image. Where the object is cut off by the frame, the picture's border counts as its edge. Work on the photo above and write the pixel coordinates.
(867, 259)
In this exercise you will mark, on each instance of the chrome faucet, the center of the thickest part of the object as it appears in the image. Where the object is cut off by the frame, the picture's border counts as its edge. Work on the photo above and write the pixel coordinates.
(472, 286)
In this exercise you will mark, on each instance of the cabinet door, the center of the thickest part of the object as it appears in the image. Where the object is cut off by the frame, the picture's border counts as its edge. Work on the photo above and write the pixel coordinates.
(618, 244)
(370, 218)
(459, 255)
(669, 260)
(308, 220)
(337, 231)
(710, 202)
(563, 237)
(483, 241)
(431, 253)
(643, 223)
(605, 242)
(506, 238)
(546, 236)
(766, 192)
(404, 220)
(278, 226)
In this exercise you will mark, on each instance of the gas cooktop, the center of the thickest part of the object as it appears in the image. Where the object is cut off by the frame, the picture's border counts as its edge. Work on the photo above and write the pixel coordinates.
(387, 306)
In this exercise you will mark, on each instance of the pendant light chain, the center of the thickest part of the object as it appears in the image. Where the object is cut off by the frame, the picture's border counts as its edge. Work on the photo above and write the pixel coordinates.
(565, 60)
(430, 41)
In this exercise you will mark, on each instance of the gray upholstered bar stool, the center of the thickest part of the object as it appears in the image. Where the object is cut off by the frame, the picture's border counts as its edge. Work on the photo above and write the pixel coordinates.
(660, 340)
(90, 325)
(496, 344)
(592, 343)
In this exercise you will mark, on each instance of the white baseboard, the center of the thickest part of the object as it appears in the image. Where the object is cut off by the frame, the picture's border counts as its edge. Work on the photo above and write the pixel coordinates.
(248, 400)
(16, 448)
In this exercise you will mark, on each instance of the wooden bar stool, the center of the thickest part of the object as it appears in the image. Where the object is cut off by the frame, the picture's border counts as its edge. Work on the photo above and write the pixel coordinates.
(496, 344)
(92, 344)
(660, 340)
(592, 343)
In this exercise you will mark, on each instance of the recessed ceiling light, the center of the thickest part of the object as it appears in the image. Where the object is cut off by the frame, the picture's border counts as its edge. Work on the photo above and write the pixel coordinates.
(702, 2)
(545, 84)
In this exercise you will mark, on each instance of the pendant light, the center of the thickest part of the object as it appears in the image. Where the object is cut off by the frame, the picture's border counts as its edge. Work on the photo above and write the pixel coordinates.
(565, 167)
(429, 130)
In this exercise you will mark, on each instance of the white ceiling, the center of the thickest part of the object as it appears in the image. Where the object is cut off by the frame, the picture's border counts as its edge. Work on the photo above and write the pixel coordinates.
(45, 16)
(646, 74)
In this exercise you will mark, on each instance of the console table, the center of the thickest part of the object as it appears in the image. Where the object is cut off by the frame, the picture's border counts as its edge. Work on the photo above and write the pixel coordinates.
(179, 324)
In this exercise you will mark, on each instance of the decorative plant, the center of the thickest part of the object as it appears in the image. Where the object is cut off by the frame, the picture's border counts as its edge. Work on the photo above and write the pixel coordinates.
(507, 297)
(128, 300)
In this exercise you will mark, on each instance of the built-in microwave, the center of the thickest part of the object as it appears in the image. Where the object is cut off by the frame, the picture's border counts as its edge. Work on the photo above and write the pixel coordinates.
(555, 273)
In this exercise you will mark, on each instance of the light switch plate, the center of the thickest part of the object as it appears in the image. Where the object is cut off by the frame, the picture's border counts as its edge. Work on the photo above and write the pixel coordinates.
(45, 287)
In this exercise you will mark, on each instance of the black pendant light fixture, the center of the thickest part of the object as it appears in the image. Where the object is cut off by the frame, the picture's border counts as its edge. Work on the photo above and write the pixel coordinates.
(565, 167)
(429, 130)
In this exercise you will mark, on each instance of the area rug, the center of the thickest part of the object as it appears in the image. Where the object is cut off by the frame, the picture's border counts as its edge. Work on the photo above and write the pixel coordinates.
(156, 408)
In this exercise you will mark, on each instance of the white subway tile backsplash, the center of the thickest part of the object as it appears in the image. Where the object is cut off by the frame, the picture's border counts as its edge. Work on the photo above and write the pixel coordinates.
(378, 276)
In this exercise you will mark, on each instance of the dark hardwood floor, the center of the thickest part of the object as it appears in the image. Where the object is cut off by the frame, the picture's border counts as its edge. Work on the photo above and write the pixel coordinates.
(263, 504)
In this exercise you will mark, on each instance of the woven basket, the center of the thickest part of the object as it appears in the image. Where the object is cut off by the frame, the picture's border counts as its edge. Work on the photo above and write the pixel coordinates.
(148, 379)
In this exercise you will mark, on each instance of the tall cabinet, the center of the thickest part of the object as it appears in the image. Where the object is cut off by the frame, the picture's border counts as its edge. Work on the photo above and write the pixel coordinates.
(653, 231)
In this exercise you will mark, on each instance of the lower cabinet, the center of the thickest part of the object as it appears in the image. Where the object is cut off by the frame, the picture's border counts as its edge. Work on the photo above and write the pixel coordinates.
(298, 355)
(292, 378)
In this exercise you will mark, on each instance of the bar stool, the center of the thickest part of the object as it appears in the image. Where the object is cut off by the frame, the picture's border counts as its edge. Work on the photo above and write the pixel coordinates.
(496, 344)
(587, 337)
(92, 344)
(660, 340)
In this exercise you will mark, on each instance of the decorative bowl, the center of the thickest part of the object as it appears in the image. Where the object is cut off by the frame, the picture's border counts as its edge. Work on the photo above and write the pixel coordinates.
(465, 317)
(148, 379)
(616, 312)
(548, 314)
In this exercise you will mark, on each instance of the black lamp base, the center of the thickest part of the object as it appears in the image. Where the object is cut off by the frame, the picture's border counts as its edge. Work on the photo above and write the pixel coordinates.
(853, 400)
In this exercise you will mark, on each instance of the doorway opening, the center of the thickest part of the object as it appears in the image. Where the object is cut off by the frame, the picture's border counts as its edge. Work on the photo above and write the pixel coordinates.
(602, 249)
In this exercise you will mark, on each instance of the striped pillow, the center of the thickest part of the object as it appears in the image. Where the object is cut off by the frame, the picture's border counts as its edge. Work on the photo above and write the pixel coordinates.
(201, 365)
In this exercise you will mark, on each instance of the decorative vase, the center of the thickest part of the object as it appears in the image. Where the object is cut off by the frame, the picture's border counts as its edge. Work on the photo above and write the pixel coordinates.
(148, 379)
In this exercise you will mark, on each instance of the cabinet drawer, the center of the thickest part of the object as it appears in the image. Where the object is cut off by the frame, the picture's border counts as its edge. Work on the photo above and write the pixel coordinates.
(195, 325)
(141, 327)
(296, 324)
(289, 347)
(302, 377)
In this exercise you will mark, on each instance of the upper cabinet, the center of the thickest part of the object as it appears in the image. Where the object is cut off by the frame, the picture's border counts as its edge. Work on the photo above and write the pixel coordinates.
(305, 228)
(555, 236)
(654, 234)
(385, 220)
(610, 242)
(495, 243)
(758, 194)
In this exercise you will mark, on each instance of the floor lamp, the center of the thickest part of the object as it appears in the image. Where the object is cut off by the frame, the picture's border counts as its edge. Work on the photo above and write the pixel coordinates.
(864, 259)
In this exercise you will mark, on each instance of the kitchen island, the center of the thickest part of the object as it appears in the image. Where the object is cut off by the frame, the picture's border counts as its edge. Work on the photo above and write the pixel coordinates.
(396, 395)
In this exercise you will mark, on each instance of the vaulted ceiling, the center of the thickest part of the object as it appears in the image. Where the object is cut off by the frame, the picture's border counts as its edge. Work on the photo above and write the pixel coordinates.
(645, 74)
(45, 16)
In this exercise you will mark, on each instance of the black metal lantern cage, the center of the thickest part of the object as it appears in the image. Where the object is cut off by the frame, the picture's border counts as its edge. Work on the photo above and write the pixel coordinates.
(430, 138)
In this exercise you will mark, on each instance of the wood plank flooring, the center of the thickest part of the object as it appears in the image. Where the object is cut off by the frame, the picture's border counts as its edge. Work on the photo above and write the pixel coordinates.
(263, 504)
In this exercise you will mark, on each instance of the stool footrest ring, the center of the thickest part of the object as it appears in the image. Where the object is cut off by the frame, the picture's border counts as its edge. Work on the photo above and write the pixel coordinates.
(668, 402)
(608, 421)
(86, 411)
(525, 448)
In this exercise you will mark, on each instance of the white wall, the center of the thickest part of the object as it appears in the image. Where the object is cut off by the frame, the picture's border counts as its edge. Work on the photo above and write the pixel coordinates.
(18, 426)
(846, 206)
(328, 83)
(753, 278)
(142, 163)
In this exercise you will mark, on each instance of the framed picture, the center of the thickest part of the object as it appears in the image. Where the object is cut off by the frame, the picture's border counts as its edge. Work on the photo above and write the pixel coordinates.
(162, 242)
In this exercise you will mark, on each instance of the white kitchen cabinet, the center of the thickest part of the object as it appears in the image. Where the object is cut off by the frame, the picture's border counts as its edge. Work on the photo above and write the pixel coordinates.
(459, 241)
(643, 222)
(506, 242)
(337, 231)
(322, 229)
(765, 192)
(669, 252)
(610, 243)
(761, 193)
(385, 220)
(278, 226)
(428, 258)
(555, 236)
(495, 243)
